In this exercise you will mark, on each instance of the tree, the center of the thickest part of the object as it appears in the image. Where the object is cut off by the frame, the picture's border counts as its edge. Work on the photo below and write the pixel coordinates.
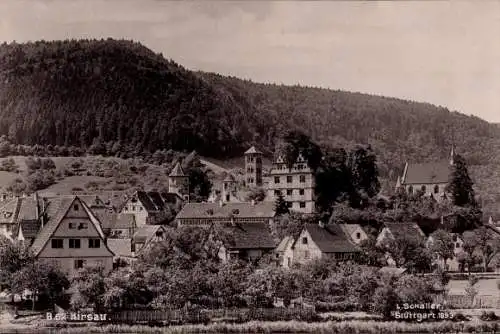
(442, 245)
(9, 165)
(461, 185)
(90, 288)
(257, 194)
(14, 256)
(372, 254)
(297, 143)
(410, 252)
(362, 164)
(486, 241)
(280, 206)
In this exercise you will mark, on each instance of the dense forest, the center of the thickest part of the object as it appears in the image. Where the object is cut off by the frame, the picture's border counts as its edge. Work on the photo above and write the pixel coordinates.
(121, 95)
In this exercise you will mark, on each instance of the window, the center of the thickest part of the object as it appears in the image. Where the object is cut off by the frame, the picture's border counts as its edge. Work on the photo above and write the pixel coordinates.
(424, 188)
(250, 180)
(410, 190)
(436, 189)
(302, 205)
(74, 243)
(289, 192)
(457, 245)
(250, 169)
(71, 226)
(94, 243)
(455, 237)
(304, 240)
(83, 226)
(276, 179)
(277, 192)
(289, 179)
(306, 254)
(125, 209)
(236, 211)
(57, 243)
(140, 208)
(358, 235)
(289, 204)
(289, 262)
(75, 207)
(79, 264)
(301, 192)
(302, 179)
(133, 207)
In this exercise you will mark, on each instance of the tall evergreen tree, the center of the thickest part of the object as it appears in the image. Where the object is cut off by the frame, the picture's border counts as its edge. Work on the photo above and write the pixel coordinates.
(460, 185)
(281, 206)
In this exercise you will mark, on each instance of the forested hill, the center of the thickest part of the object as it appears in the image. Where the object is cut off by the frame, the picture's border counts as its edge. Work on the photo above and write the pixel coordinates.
(81, 91)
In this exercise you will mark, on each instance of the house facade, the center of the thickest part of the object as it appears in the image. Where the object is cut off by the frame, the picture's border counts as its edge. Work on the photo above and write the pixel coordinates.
(355, 232)
(296, 184)
(147, 207)
(429, 178)
(318, 241)
(206, 214)
(72, 237)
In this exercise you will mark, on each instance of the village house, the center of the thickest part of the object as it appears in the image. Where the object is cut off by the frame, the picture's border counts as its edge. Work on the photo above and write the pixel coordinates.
(20, 214)
(149, 207)
(71, 236)
(206, 214)
(317, 241)
(429, 178)
(128, 248)
(247, 241)
(296, 184)
(228, 191)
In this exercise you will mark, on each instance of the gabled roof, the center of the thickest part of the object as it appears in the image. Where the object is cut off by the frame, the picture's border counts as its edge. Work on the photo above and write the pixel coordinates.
(427, 173)
(9, 211)
(253, 150)
(56, 210)
(250, 236)
(155, 201)
(401, 230)
(121, 247)
(29, 228)
(146, 232)
(177, 171)
(284, 244)
(330, 239)
(215, 210)
(349, 229)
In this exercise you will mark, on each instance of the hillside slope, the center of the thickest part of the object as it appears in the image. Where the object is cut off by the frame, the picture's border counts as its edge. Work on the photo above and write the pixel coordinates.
(121, 94)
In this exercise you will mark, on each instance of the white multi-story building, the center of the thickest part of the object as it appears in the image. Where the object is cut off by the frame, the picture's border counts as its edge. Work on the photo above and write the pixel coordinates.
(296, 184)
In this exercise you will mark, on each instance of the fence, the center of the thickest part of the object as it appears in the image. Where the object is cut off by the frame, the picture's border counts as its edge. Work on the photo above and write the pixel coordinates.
(205, 316)
(465, 302)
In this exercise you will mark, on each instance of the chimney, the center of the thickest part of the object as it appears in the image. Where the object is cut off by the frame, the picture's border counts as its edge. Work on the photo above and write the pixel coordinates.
(321, 224)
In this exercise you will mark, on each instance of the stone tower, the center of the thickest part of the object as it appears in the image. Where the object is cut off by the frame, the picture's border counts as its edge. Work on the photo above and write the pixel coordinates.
(178, 182)
(253, 167)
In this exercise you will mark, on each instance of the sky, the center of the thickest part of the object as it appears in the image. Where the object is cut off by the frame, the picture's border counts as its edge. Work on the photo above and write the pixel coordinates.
(442, 52)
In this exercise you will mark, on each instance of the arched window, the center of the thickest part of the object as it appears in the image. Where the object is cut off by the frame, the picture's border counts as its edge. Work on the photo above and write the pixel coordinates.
(436, 189)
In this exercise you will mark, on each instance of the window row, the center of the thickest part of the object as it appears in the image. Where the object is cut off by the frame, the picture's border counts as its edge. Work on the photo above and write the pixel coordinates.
(289, 192)
(75, 243)
(289, 179)
(302, 205)
(132, 208)
(423, 188)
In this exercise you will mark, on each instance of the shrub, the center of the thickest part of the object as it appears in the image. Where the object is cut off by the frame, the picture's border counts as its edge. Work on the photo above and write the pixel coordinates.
(343, 306)
(488, 316)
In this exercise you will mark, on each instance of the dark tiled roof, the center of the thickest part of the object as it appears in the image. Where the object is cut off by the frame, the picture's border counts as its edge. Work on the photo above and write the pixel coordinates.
(157, 200)
(170, 198)
(56, 210)
(121, 247)
(250, 236)
(214, 210)
(427, 173)
(28, 209)
(146, 233)
(106, 218)
(177, 171)
(9, 211)
(401, 230)
(30, 228)
(143, 197)
(124, 220)
(331, 239)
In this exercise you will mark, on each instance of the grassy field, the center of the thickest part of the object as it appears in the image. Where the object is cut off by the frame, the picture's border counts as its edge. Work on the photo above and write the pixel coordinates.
(485, 287)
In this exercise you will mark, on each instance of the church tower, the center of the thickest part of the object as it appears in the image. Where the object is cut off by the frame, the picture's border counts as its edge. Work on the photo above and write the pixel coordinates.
(253, 167)
(178, 182)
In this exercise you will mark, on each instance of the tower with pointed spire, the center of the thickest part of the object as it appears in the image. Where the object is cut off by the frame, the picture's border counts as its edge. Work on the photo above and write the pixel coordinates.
(178, 182)
(253, 167)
